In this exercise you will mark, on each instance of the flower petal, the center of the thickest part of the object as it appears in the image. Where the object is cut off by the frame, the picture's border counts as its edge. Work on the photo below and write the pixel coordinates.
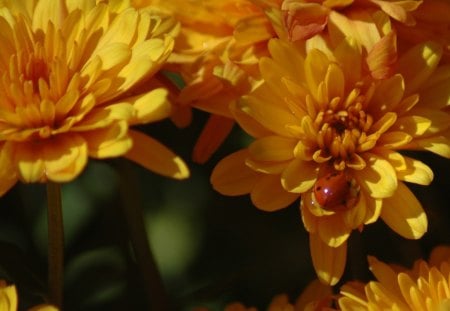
(108, 142)
(231, 176)
(418, 64)
(333, 230)
(150, 107)
(268, 194)
(214, 133)
(273, 148)
(329, 262)
(299, 176)
(156, 157)
(8, 176)
(403, 213)
(378, 178)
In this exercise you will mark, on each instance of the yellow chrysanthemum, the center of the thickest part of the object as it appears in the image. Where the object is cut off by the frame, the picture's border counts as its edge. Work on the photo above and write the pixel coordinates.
(325, 129)
(69, 71)
(426, 287)
(216, 54)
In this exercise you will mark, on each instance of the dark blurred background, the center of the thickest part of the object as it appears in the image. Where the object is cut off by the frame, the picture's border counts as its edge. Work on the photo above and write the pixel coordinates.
(211, 250)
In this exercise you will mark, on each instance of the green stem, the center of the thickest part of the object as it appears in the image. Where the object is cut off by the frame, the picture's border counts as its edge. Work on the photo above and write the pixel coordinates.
(55, 244)
(132, 208)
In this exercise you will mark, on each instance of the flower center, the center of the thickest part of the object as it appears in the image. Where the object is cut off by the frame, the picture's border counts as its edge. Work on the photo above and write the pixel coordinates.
(342, 127)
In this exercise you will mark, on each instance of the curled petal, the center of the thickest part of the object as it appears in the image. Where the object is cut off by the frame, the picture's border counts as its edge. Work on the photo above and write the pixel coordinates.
(404, 214)
(329, 262)
(60, 158)
(232, 176)
(155, 157)
(108, 142)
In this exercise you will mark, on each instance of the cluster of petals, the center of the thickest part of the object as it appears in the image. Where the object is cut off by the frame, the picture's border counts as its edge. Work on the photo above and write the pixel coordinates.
(425, 287)
(216, 54)
(75, 75)
(336, 111)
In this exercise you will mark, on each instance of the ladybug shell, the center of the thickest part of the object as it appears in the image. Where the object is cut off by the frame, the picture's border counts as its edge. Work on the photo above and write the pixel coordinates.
(332, 189)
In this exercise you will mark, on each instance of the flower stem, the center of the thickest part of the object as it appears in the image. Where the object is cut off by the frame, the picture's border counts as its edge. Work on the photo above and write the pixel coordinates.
(55, 243)
(153, 284)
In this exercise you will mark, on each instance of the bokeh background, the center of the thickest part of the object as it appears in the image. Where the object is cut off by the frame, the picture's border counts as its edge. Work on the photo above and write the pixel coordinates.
(211, 250)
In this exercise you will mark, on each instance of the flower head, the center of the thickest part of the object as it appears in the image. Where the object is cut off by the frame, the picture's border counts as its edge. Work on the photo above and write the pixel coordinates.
(70, 74)
(328, 131)
(425, 287)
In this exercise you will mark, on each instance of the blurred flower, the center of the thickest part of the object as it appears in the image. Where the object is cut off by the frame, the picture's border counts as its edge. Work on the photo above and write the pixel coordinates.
(432, 23)
(216, 54)
(325, 129)
(70, 74)
(425, 287)
(304, 19)
(9, 301)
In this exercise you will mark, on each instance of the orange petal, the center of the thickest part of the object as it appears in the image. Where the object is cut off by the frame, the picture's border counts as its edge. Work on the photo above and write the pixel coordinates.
(299, 176)
(232, 176)
(329, 262)
(303, 20)
(268, 194)
(273, 148)
(156, 157)
(333, 230)
(8, 176)
(382, 57)
(214, 133)
(404, 214)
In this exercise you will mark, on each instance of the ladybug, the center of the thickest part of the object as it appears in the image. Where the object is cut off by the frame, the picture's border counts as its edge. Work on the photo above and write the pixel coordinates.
(335, 190)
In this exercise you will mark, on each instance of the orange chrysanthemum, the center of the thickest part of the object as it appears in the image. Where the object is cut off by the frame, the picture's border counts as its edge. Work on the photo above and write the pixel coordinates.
(325, 129)
(425, 287)
(69, 72)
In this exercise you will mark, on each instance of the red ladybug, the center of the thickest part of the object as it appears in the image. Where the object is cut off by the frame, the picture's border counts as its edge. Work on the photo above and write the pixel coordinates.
(334, 190)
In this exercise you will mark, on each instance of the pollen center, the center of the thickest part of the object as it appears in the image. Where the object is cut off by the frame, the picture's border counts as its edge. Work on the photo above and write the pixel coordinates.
(342, 127)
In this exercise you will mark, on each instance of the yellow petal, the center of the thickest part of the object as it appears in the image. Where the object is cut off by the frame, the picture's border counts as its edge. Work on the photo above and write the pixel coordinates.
(60, 159)
(348, 55)
(413, 125)
(150, 107)
(333, 230)
(436, 144)
(329, 262)
(389, 92)
(268, 195)
(394, 139)
(316, 66)
(384, 274)
(418, 64)
(108, 142)
(404, 214)
(355, 217)
(378, 178)
(65, 159)
(299, 176)
(273, 117)
(156, 157)
(335, 81)
(416, 172)
(232, 177)
(272, 148)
